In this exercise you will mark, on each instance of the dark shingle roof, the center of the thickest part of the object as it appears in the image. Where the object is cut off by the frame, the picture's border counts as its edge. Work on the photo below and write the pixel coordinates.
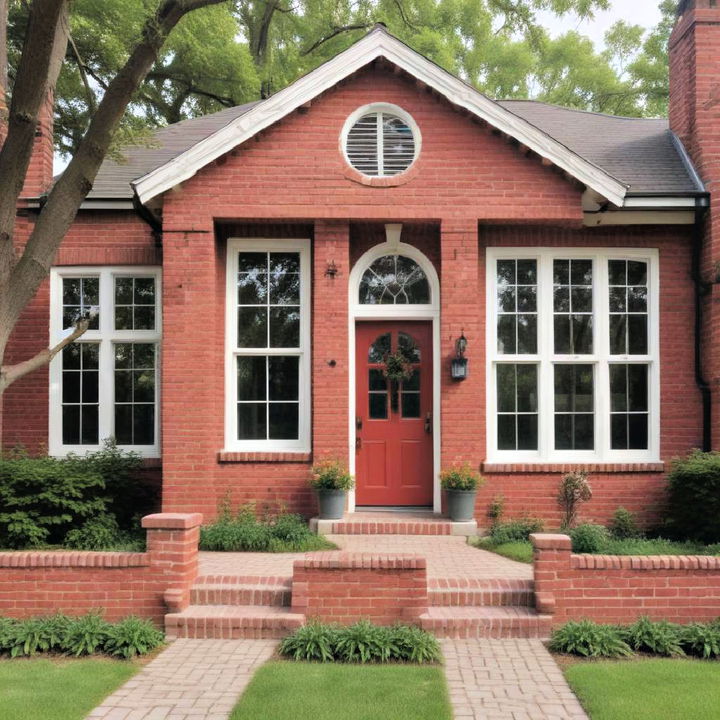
(639, 152)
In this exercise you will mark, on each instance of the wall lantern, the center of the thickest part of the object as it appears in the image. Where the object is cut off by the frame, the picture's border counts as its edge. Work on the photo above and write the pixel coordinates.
(459, 362)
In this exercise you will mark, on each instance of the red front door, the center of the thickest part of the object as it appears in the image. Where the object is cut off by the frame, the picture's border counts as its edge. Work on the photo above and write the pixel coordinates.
(394, 460)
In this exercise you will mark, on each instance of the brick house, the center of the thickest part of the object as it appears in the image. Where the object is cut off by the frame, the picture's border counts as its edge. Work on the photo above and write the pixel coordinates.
(253, 269)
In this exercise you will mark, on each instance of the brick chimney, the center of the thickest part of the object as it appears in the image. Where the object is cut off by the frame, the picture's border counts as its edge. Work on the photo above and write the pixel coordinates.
(40, 171)
(694, 51)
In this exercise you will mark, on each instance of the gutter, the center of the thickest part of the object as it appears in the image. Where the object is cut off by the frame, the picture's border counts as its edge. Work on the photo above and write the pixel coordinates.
(147, 217)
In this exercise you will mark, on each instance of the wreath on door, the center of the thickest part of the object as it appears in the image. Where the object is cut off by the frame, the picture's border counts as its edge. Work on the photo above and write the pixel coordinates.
(397, 367)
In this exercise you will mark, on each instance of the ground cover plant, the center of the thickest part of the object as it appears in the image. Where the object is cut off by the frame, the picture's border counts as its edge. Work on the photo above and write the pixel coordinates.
(245, 532)
(361, 643)
(84, 635)
(313, 691)
(510, 539)
(59, 688)
(647, 689)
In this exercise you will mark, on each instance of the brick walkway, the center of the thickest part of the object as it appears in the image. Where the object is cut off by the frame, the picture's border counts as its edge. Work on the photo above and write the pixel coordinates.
(190, 680)
(507, 680)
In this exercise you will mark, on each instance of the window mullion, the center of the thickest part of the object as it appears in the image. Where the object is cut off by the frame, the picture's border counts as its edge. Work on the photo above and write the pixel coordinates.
(546, 351)
(602, 355)
(380, 146)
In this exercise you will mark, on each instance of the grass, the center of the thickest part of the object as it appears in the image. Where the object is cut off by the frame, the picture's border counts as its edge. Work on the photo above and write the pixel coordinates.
(58, 689)
(647, 689)
(519, 550)
(313, 691)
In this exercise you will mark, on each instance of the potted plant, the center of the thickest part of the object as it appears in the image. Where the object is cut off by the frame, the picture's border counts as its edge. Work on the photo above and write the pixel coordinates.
(331, 480)
(461, 484)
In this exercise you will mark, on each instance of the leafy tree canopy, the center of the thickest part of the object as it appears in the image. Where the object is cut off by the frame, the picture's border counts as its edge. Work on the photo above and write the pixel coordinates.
(245, 49)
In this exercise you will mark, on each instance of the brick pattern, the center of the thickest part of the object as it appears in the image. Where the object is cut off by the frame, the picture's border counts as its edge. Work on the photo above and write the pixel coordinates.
(263, 457)
(118, 583)
(495, 592)
(397, 527)
(620, 589)
(347, 587)
(39, 175)
(232, 622)
(486, 622)
(530, 468)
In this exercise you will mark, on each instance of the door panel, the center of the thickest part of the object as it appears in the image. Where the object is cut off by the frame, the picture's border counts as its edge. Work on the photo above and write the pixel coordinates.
(394, 461)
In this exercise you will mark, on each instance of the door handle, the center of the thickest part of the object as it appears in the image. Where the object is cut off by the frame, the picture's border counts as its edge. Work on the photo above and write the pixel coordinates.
(428, 423)
(358, 442)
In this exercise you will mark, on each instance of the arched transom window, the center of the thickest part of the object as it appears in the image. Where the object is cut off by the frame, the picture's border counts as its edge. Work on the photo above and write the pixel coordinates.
(394, 280)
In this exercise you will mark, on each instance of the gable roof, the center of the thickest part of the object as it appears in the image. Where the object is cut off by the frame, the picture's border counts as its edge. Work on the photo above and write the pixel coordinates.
(377, 43)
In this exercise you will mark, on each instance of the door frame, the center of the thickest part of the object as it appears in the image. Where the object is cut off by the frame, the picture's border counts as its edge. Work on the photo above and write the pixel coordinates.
(430, 312)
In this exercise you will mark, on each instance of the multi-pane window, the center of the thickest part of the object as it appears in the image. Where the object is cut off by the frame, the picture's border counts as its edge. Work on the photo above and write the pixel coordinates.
(104, 385)
(268, 344)
(572, 340)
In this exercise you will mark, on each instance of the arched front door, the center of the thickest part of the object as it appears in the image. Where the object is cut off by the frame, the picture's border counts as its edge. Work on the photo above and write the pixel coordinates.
(394, 448)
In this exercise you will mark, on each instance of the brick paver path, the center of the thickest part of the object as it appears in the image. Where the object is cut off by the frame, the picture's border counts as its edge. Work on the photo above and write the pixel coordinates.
(447, 557)
(507, 680)
(190, 680)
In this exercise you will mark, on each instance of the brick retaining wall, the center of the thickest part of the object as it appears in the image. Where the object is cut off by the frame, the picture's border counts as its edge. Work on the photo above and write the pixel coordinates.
(620, 589)
(73, 582)
(347, 587)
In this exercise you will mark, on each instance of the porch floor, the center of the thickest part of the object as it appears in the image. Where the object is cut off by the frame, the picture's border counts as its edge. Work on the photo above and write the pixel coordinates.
(449, 558)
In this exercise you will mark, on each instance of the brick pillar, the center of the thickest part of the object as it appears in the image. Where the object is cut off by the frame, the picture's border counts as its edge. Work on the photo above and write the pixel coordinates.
(40, 171)
(461, 311)
(551, 557)
(192, 398)
(330, 339)
(172, 544)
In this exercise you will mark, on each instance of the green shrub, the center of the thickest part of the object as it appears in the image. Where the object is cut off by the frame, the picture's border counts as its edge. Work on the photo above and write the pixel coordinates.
(103, 533)
(589, 639)
(497, 509)
(623, 525)
(574, 490)
(701, 640)
(86, 634)
(41, 634)
(362, 642)
(694, 497)
(588, 538)
(659, 638)
(462, 477)
(515, 530)
(331, 475)
(130, 637)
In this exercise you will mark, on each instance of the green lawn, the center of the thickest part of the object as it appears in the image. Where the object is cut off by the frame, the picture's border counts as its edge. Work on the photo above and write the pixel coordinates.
(313, 691)
(520, 551)
(657, 689)
(58, 689)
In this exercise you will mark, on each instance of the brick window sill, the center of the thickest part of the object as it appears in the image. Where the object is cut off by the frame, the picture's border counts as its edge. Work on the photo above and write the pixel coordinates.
(528, 468)
(263, 457)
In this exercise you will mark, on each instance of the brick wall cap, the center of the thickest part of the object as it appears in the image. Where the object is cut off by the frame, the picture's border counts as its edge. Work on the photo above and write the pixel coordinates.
(72, 559)
(172, 521)
(645, 562)
(548, 541)
(358, 561)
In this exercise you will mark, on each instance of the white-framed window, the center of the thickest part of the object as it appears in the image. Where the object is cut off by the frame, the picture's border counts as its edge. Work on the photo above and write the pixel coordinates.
(573, 369)
(105, 385)
(380, 140)
(268, 346)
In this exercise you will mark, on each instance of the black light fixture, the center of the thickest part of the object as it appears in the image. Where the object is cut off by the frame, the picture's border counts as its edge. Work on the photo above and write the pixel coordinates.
(459, 362)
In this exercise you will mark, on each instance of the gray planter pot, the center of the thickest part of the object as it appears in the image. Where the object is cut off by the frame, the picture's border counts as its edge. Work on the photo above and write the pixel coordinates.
(332, 504)
(461, 504)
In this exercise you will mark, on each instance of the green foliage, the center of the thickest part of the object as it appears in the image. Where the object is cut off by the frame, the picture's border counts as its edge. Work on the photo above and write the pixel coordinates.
(658, 546)
(515, 530)
(330, 475)
(701, 640)
(574, 490)
(520, 550)
(132, 636)
(497, 509)
(588, 639)
(623, 525)
(86, 634)
(103, 533)
(361, 643)
(659, 638)
(694, 497)
(245, 533)
(462, 477)
(589, 538)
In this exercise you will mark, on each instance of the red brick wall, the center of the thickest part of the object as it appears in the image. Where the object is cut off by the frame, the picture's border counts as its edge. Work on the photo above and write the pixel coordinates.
(346, 587)
(614, 589)
(119, 584)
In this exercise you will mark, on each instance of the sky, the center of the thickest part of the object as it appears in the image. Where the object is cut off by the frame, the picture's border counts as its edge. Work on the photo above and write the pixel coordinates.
(636, 12)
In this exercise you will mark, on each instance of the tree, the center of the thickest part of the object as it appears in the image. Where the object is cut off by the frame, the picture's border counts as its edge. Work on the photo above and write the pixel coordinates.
(37, 70)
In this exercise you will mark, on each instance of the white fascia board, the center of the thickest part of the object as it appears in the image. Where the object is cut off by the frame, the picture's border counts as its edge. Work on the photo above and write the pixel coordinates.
(377, 43)
(660, 202)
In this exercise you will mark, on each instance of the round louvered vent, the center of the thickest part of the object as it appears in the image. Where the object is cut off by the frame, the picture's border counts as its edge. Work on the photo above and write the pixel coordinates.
(381, 141)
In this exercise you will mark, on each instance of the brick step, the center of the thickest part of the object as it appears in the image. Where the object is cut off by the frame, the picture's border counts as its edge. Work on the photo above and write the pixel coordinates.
(486, 622)
(393, 526)
(232, 622)
(240, 591)
(481, 593)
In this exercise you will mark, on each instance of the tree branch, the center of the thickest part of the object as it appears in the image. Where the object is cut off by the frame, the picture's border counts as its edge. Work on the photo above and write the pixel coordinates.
(336, 31)
(92, 104)
(10, 373)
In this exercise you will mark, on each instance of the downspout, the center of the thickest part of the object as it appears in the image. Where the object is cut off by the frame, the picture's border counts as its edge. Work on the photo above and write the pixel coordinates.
(146, 216)
(701, 289)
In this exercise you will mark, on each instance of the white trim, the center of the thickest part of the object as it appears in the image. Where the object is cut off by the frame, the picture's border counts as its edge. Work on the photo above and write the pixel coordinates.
(639, 217)
(650, 201)
(106, 336)
(378, 43)
(600, 359)
(303, 443)
(431, 311)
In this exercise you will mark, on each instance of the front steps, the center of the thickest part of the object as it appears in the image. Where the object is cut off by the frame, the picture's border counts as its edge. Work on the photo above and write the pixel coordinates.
(481, 593)
(229, 590)
(387, 523)
(486, 622)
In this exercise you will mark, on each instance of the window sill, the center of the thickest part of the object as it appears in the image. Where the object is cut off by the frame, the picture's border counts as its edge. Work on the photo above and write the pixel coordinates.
(263, 457)
(527, 468)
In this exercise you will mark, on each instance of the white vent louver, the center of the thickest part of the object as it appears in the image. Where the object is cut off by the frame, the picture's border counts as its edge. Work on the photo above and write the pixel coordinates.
(380, 144)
